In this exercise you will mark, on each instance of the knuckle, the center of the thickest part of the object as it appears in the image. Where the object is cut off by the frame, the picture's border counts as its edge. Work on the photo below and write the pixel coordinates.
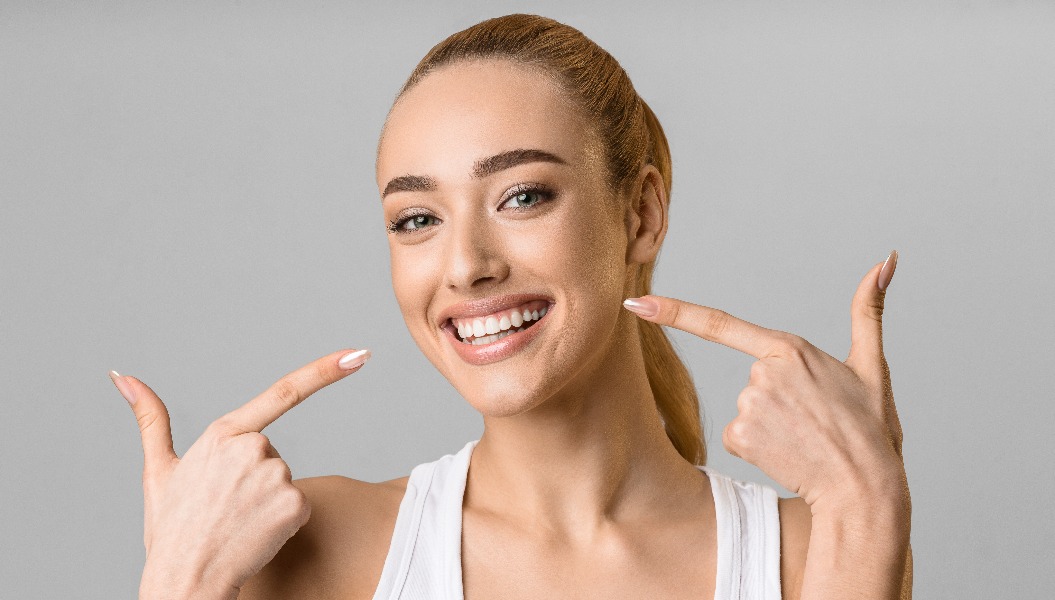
(673, 312)
(148, 420)
(285, 393)
(728, 443)
(748, 400)
(294, 505)
(717, 322)
(872, 308)
(736, 436)
(213, 430)
(758, 371)
(280, 470)
(322, 371)
(789, 344)
(219, 430)
(255, 443)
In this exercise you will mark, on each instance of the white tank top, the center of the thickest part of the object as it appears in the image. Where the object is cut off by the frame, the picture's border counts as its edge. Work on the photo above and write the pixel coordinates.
(424, 559)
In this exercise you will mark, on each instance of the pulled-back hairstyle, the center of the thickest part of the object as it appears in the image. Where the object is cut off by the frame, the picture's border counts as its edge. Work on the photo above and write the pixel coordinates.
(631, 136)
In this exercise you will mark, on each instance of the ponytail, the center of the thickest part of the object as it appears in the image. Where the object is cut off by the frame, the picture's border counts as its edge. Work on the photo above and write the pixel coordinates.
(671, 383)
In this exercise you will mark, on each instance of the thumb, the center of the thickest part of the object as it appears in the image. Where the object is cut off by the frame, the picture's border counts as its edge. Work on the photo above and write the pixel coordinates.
(153, 419)
(866, 321)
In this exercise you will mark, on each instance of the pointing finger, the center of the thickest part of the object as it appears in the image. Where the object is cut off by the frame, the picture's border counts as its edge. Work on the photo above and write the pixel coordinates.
(153, 420)
(708, 323)
(866, 321)
(292, 389)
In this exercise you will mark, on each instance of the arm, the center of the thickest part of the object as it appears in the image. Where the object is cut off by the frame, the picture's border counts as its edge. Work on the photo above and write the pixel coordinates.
(796, 524)
(839, 422)
(859, 549)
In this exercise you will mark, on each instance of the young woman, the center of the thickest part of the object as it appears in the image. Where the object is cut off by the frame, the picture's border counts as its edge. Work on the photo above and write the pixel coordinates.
(526, 185)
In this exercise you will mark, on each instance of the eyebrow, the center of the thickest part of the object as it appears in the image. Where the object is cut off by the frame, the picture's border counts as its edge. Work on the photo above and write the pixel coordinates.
(409, 183)
(482, 168)
(512, 158)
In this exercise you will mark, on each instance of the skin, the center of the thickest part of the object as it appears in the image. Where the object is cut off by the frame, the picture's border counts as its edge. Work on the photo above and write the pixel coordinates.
(574, 489)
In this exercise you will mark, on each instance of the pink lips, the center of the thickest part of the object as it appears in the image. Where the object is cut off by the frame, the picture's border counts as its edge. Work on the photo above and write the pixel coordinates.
(495, 351)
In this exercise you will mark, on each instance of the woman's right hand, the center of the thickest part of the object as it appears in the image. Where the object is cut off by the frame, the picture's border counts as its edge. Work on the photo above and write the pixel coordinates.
(217, 516)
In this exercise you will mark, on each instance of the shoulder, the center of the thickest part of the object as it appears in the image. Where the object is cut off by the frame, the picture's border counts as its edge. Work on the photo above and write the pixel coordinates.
(796, 521)
(340, 551)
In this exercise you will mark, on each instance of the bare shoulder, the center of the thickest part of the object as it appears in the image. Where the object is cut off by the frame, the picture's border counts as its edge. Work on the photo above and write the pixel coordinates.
(341, 550)
(796, 521)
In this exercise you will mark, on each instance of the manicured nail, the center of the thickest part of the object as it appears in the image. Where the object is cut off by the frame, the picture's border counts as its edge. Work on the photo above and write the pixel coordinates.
(642, 306)
(887, 272)
(353, 359)
(123, 388)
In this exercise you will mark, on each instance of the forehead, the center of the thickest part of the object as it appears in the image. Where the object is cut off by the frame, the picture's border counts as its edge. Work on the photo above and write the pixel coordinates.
(473, 109)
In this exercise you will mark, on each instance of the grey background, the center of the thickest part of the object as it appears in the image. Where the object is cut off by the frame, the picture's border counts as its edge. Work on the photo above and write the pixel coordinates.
(188, 196)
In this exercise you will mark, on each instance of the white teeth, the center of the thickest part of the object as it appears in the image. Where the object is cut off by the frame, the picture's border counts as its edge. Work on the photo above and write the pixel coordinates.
(489, 339)
(479, 331)
(491, 325)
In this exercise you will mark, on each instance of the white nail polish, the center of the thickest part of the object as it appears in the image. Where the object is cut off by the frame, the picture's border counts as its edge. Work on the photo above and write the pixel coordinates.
(353, 359)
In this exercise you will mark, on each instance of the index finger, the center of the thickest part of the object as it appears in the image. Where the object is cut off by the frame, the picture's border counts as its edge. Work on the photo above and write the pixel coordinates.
(710, 324)
(292, 389)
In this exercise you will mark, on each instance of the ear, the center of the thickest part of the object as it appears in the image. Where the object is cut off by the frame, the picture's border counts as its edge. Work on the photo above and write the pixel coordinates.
(647, 219)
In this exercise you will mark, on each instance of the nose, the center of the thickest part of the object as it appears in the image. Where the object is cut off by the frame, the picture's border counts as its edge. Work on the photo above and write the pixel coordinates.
(475, 256)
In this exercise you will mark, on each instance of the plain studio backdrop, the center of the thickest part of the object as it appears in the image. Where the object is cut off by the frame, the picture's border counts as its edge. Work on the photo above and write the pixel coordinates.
(188, 196)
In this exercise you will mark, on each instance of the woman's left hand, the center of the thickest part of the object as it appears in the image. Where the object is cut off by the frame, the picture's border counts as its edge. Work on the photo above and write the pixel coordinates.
(825, 429)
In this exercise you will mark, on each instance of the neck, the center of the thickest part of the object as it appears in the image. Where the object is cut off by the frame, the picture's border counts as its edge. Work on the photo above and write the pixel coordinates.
(594, 454)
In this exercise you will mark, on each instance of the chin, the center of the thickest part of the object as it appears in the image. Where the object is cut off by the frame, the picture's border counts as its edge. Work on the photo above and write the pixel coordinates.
(502, 397)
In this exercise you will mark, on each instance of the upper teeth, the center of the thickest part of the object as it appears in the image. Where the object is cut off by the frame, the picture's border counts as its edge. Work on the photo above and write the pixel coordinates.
(501, 321)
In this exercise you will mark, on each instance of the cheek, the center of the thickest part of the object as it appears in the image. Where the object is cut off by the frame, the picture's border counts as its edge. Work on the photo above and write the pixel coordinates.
(593, 253)
(581, 257)
(411, 273)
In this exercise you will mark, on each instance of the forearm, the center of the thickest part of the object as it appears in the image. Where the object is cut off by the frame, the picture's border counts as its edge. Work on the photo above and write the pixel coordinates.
(859, 549)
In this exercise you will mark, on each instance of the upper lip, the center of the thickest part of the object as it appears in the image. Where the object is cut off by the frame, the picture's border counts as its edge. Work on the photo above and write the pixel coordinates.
(486, 306)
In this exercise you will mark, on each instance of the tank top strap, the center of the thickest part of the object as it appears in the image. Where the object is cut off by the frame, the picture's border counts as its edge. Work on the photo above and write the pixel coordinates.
(748, 538)
(424, 557)
(424, 560)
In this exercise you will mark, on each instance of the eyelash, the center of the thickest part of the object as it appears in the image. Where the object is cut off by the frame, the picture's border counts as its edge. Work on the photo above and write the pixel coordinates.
(396, 225)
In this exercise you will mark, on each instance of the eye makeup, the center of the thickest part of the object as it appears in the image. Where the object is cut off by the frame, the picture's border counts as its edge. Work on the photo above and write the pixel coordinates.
(522, 192)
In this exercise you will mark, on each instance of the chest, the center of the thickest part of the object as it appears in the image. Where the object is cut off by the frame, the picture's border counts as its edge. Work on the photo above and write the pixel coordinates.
(653, 560)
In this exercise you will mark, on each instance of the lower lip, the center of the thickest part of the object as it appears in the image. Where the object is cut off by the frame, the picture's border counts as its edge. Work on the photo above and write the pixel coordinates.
(495, 351)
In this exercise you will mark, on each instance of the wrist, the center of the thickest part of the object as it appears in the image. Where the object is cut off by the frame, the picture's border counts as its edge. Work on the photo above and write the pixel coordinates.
(878, 515)
(877, 493)
(161, 582)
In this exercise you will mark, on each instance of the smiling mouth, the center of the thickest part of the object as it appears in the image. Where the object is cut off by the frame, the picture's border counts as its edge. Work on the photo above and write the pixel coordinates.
(482, 331)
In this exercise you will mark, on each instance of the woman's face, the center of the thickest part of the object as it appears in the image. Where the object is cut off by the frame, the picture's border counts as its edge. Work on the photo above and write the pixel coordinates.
(496, 196)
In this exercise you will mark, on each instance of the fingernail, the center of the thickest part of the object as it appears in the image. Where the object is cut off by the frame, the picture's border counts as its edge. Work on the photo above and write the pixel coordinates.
(642, 306)
(353, 359)
(123, 388)
(887, 272)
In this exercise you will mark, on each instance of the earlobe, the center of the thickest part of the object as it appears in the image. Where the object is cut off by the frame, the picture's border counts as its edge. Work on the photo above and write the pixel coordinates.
(648, 221)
